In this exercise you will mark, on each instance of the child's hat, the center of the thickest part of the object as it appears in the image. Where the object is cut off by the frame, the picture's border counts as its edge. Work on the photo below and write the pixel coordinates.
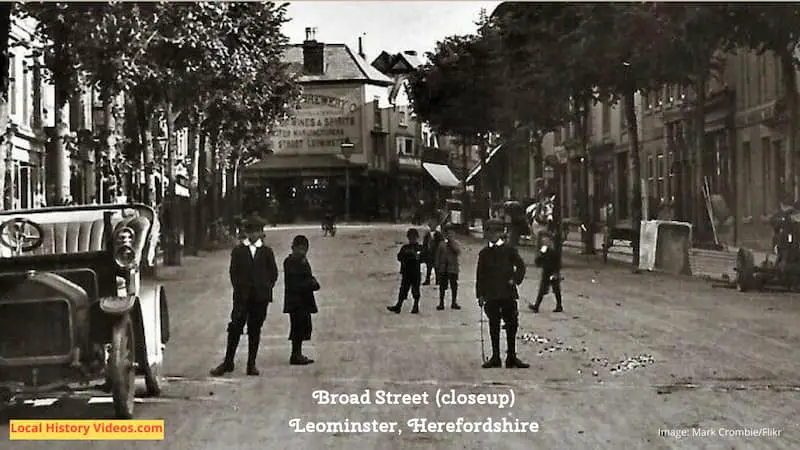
(494, 225)
(300, 241)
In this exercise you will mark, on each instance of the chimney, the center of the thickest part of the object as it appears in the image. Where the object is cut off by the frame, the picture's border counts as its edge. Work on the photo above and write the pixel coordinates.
(361, 48)
(410, 52)
(313, 54)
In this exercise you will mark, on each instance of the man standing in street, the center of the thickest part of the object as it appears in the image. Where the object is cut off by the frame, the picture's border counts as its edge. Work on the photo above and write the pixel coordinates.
(253, 275)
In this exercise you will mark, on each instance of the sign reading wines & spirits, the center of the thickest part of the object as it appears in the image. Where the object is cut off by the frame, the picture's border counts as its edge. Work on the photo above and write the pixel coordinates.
(326, 118)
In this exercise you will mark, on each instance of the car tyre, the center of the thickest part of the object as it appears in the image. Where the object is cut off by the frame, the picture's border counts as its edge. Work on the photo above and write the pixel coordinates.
(122, 368)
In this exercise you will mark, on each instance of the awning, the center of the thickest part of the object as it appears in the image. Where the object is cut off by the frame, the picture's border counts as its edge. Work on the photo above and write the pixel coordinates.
(284, 166)
(477, 169)
(442, 174)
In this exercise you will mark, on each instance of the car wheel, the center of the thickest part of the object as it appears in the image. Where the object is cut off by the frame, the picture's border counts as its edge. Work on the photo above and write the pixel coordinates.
(745, 270)
(122, 368)
(153, 380)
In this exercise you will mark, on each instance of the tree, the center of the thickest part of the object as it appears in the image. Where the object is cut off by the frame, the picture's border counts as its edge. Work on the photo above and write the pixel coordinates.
(776, 29)
(5, 29)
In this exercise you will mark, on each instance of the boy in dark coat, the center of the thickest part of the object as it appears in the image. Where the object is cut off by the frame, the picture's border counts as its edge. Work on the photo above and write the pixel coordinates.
(409, 256)
(549, 259)
(298, 299)
(500, 271)
(253, 274)
(430, 243)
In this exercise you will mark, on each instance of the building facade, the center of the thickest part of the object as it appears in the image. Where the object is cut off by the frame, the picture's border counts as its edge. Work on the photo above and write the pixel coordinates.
(740, 169)
(307, 174)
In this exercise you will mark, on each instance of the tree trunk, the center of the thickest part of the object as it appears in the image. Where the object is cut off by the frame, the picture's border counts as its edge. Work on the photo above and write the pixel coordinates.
(172, 206)
(58, 154)
(201, 231)
(215, 190)
(144, 117)
(191, 224)
(108, 142)
(588, 227)
(5, 29)
(698, 136)
(791, 183)
(634, 162)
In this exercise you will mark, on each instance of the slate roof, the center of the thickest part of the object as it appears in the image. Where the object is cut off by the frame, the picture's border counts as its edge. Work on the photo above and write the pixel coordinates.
(341, 64)
(412, 61)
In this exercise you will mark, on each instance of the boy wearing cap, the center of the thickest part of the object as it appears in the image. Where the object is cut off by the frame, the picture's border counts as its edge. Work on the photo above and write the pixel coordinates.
(410, 256)
(500, 271)
(298, 300)
(253, 273)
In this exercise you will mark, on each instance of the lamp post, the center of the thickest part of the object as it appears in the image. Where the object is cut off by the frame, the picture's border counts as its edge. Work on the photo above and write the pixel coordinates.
(347, 148)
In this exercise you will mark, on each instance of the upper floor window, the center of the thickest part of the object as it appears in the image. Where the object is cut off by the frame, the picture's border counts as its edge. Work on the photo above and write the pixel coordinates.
(12, 83)
(606, 119)
(403, 120)
(376, 109)
(26, 93)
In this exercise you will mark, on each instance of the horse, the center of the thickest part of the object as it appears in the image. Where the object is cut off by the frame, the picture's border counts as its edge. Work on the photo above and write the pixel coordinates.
(541, 218)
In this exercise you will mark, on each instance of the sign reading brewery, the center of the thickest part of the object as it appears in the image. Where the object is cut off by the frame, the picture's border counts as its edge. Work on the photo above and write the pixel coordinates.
(326, 117)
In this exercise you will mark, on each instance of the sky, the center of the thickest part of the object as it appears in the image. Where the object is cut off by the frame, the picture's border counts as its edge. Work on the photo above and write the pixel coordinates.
(393, 26)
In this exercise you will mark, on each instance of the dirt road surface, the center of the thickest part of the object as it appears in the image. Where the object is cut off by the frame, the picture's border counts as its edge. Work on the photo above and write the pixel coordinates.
(700, 365)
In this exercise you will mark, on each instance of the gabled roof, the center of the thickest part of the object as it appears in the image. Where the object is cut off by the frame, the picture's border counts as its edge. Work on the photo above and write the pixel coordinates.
(411, 61)
(340, 64)
(383, 63)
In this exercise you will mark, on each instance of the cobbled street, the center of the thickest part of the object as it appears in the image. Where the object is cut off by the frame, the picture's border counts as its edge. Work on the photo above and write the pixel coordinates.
(632, 355)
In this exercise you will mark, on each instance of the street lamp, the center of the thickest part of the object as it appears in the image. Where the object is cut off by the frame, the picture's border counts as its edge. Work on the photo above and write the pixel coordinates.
(347, 148)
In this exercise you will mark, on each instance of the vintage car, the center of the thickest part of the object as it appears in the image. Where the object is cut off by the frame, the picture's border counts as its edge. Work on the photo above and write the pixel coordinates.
(78, 310)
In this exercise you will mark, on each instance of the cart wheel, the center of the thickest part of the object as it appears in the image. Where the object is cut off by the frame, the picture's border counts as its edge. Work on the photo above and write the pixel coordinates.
(122, 368)
(745, 270)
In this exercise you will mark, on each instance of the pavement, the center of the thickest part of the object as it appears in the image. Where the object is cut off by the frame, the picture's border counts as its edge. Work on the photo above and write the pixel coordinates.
(693, 360)
(713, 265)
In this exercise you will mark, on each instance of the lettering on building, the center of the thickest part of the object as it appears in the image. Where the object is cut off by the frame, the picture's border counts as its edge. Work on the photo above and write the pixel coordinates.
(323, 122)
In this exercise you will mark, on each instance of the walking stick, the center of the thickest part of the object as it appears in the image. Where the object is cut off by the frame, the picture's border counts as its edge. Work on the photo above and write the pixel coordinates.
(483, 345)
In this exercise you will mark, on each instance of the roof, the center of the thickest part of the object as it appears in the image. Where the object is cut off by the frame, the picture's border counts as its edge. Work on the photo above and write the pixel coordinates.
(412, 61)
(341, 64)
(383, 63)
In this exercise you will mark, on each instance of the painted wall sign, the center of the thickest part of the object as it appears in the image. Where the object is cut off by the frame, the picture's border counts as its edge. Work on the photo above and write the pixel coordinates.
(327, 116)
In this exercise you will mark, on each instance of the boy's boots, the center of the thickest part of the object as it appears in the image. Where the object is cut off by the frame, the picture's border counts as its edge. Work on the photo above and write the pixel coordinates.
(415, 308)
(512, 362)
(230, 354)
(297, 358)
(494, 361)
(252, 352)
(397, 306)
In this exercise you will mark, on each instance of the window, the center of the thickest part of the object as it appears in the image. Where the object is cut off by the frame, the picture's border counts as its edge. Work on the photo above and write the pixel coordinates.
(26, 94)
(376, 106)
(670, 183)
(606, 119)
(410, 149)
(401, 146)
(24, 188)
(651, 178)
(12, 83)
(403, 120)
(747, 178)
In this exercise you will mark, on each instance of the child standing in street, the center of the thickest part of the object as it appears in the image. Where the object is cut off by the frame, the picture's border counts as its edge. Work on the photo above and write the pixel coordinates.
(549, 259)
(298, 300)
(500, 271)
(410, 256)
(447, 268)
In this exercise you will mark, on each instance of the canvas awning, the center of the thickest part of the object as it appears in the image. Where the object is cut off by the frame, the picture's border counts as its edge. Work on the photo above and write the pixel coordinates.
(442, 174)
(477, 169)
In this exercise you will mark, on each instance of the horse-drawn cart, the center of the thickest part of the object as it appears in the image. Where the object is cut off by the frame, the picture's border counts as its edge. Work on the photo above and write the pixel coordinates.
(784, 271)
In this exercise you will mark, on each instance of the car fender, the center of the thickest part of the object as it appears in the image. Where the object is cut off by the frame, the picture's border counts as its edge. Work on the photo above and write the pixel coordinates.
(148, 315)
